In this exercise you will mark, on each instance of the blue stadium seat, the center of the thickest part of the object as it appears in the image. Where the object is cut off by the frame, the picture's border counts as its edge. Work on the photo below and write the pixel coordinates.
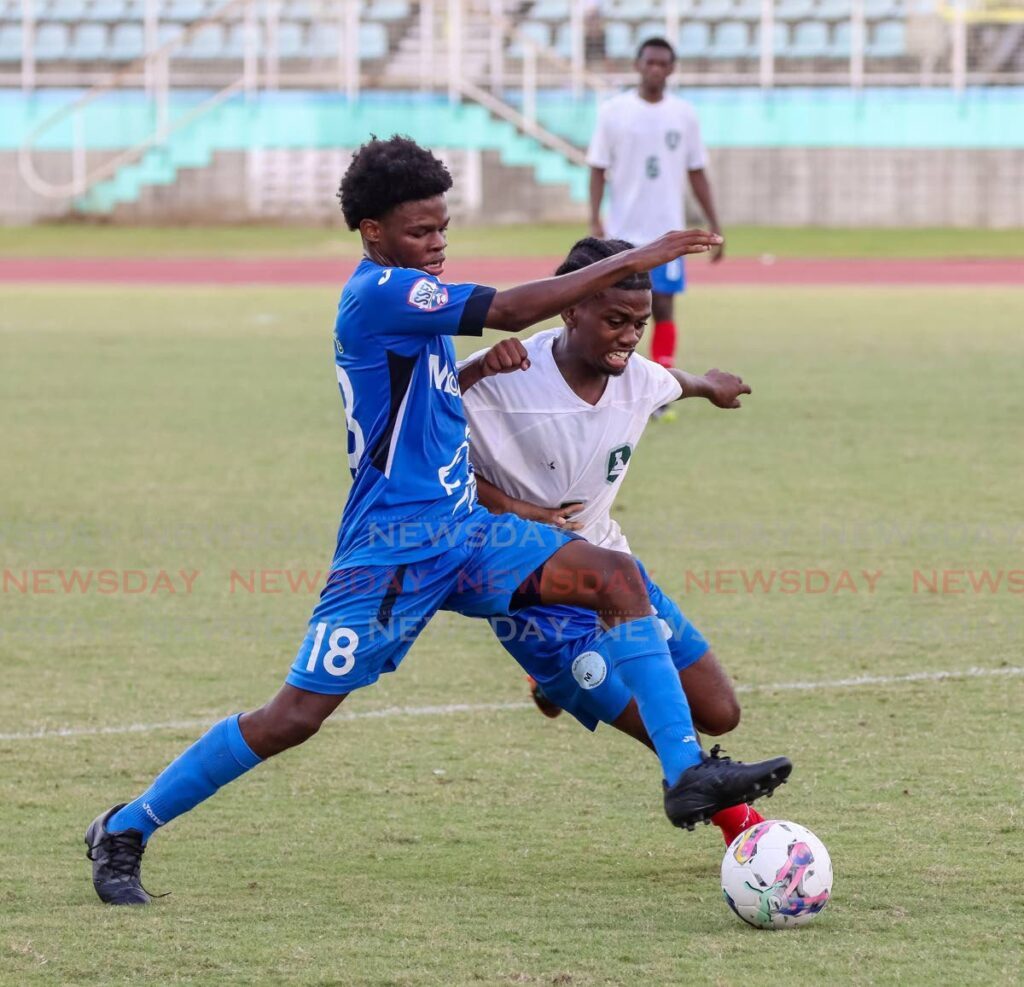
(833, 10)
(840, 46)
(387, 10)
(10, 43)
(794, 10)
(290, 42)
(52, 42)
(888, 40)
(649, 29)
(183, 10)
(324, 40)
(712, 10)
(694, 40)
(732, 40)
(535, 31)
(810, 40)
(208, 42)
(127, 42)
(373, 40)
(618, 40)
(875, 10)
(550, 10)
(747, 10)
(89, 43)
(62, 10)
(563, 39)
(780, 32)
(108, 10)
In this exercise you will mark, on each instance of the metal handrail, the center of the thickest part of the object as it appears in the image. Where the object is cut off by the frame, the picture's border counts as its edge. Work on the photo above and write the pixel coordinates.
(155, 59)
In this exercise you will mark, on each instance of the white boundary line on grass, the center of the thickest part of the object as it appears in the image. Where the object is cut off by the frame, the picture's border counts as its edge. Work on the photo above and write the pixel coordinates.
(450, 709)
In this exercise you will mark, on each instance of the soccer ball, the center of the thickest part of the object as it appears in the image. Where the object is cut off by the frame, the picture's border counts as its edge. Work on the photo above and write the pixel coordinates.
(776, 874)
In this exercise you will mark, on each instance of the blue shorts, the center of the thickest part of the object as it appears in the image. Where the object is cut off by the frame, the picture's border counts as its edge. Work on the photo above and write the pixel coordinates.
(369, 616)
(562, 648)
(670, 278)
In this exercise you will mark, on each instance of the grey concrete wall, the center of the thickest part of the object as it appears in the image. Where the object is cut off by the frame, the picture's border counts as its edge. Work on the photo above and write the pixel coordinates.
(833, 187)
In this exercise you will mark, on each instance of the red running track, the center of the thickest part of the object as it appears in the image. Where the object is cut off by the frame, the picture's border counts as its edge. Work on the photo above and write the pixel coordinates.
(495, 270)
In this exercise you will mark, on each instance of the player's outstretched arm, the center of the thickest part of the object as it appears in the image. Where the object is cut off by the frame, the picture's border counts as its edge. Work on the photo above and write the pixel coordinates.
(720, 387)
(499, 502)
(528, 304)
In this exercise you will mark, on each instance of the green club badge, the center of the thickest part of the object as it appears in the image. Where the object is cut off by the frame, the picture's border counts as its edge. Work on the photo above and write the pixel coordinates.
(617, 460)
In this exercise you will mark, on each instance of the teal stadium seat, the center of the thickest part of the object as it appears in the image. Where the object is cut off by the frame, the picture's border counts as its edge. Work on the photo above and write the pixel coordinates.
(618, 40)
(732, 40)
(694, 40)
(52, 42)
(888, 40)
(127, 42)
(10, 43)
(89, 43)
(810, 40)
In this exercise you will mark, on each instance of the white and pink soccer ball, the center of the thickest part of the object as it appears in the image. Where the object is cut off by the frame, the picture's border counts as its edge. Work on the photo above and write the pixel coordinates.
(776, 875)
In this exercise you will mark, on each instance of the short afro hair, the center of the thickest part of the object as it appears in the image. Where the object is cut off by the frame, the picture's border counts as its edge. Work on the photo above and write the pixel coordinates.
(590, 250)
(655, 43)
(384, 174)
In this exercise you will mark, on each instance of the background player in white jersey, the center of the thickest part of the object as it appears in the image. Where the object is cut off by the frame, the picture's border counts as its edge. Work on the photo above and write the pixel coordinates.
(555, 444)
(647, 143)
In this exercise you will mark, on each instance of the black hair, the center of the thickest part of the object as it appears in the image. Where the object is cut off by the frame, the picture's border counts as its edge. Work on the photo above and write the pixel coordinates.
(384, 174)
(655, 43)
(590, 250)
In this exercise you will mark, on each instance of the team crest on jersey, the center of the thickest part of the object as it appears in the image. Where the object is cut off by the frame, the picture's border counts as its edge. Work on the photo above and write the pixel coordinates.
(617, 460)
(427, 295)
(672, 138)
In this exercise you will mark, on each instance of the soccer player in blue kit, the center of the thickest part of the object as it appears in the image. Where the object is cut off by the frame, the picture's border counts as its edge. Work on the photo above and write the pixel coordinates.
(412, 538)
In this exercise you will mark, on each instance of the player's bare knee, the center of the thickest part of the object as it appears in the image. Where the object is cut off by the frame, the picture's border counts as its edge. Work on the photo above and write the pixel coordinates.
(723, 717)
(623, 593)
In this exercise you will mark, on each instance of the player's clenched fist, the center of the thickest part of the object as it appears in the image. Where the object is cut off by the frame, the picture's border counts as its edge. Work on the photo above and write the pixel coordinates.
(504, 357)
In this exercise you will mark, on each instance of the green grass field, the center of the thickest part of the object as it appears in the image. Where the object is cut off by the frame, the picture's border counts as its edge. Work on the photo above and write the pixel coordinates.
(544, 240)
(200, 431)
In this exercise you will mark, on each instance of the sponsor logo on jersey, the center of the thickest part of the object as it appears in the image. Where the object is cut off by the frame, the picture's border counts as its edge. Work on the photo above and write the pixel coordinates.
(589, 669)
(427, 295)
(672, 138)
(618, 458)
(385, 277)
(443, 377)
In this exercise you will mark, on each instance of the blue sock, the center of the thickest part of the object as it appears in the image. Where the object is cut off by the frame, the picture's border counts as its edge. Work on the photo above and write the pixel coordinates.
(219, 756)
(640, 657)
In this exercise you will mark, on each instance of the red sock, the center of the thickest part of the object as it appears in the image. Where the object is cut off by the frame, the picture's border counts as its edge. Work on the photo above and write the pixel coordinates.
(663, 343)
(734, 820)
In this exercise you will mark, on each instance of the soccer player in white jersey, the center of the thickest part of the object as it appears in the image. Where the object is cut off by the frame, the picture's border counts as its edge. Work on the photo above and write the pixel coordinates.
(554, 444)
(646, 144)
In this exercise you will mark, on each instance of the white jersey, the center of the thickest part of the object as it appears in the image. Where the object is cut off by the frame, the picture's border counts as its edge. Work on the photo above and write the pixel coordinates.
(536, 439)
(646, 150)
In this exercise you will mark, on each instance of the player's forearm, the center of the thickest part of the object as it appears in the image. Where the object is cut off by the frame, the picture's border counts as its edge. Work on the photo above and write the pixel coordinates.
(702, 193)
(693, 385)
(470, 374)
(494, 499)
(528, 304)
(596, 194)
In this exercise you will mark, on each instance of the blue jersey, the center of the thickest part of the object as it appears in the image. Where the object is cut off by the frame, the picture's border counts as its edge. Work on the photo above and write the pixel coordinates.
(408, 446)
